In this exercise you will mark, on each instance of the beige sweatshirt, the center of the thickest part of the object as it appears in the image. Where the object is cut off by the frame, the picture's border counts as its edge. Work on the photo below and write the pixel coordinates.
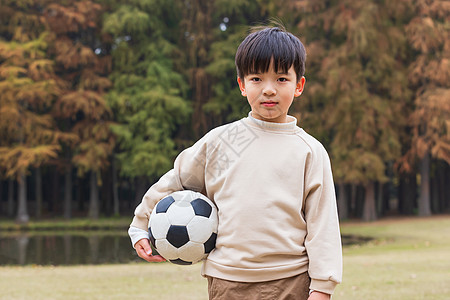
(273, 187)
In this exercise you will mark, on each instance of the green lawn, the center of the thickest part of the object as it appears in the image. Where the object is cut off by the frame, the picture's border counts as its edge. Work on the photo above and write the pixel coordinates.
(408, 259)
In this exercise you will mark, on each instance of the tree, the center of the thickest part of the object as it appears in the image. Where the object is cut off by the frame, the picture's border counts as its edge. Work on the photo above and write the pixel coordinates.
(149, 93)
(428, 33)
(198, 37)
(230, 23)
(357, 86)
(82, 65)
(27, 91)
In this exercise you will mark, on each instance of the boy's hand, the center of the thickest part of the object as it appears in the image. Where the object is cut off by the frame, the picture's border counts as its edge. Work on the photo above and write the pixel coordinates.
(144, 251)
(315, 295)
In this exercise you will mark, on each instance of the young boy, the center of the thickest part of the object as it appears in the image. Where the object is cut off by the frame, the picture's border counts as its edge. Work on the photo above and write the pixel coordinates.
(278, 235)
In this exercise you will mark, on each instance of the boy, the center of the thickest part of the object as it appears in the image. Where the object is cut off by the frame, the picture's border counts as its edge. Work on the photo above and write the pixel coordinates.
(278, 235)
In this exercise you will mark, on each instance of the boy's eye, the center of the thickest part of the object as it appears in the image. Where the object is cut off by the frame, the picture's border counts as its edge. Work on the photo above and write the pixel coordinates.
(255, 79)
(282, 79)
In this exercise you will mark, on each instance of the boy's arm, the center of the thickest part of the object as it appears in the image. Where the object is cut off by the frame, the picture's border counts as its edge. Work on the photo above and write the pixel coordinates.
(188, 173)
(323, 241)
(166, 185)
(137, 234)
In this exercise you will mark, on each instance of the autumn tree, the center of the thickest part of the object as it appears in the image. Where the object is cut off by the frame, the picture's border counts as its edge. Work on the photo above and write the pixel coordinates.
(28, 89)
(82, 66)
(357, 94)
(428, 33)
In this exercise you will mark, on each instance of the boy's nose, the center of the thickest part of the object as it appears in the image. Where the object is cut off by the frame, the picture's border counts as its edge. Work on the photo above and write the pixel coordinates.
(269, 90)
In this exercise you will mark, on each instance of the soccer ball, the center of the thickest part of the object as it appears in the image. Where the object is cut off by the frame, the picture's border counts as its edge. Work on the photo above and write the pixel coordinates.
(183, 227)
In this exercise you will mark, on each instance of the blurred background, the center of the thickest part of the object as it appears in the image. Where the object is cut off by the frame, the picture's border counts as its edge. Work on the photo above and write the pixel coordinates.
(98, 97)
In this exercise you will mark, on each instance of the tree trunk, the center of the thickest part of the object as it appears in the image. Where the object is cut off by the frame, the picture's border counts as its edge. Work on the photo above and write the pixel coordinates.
(116, 202)
(442, 188)
(93, 197)
(39, 196)
(1, 196)
(379, 198)
(446, 189)
(55, 199)
(407, 194)
(22, 213)
(353, 200)
(434, 192)
(359, 201)
(342, 202)
(10, 198)
(369, 212)
(79, 194)
(68, 192)
(424, 198)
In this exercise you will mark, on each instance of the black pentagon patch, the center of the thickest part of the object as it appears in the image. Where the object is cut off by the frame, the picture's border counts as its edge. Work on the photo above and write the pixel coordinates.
(164, 204)
(151, 237)
(177, 235)
(201, 207)
(210, 243)
(180, 262)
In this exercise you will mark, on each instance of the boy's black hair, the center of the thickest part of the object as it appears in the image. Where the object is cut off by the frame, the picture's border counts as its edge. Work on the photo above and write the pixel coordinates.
(256, 52)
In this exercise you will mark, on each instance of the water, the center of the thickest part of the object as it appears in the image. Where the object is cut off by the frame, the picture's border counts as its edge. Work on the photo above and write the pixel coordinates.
(66, 249)
(80, 248)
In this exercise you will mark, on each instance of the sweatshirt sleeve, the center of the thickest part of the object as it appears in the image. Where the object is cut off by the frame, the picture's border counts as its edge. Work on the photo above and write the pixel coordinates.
(323, 240)
(188, 173)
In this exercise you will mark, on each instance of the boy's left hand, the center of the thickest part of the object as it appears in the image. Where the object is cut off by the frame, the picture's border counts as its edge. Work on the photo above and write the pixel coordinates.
(144, 251)
(315, 295)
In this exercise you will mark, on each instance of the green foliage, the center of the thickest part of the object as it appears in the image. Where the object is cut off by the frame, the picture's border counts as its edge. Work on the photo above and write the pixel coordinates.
(127, 19)
(227, 100)
(148, 94)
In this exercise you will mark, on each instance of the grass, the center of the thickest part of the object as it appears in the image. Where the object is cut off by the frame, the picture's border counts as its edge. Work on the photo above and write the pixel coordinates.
(408, 258)
(120, 282)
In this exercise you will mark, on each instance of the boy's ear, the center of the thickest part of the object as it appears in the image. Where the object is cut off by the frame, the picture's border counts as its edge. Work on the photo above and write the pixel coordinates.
(300, 86)
(241, 86)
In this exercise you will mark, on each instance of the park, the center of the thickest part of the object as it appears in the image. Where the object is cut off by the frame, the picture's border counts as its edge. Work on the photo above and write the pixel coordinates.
(98, 98)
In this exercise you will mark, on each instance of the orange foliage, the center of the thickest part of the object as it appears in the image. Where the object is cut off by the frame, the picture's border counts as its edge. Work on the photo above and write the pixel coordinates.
(429, 33)
(81, 16)
(82, 80)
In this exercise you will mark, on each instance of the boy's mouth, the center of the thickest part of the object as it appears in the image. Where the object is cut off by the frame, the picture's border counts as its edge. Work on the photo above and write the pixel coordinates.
(269, 103)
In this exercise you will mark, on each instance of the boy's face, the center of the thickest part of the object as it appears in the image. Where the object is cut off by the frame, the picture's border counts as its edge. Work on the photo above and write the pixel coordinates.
(271, 94)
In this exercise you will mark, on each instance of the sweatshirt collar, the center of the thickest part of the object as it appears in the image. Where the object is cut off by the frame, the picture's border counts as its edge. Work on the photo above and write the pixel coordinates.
(288, 127)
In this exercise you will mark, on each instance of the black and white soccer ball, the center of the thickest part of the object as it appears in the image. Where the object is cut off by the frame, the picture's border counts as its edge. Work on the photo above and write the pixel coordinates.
(183, 227)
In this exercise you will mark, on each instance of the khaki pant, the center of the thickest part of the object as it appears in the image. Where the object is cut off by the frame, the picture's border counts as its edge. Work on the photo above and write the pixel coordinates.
(296, 287)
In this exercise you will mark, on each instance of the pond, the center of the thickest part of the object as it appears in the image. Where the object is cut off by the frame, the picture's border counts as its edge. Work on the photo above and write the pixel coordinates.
(66, 249)
(80, 248)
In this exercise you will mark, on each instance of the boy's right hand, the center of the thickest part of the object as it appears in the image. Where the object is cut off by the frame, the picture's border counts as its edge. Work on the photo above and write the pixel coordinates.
(144, 251)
